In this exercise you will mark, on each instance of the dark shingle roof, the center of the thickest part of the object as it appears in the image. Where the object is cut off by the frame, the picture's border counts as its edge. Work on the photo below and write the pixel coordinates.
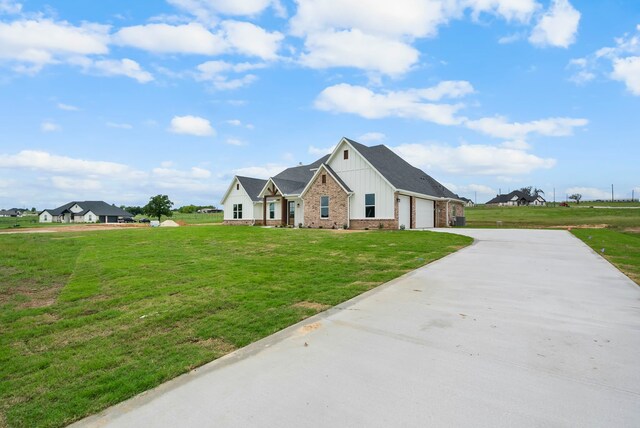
(501, 199)
(97, 207)
(292, 181)
(253, 186)
(400, 173)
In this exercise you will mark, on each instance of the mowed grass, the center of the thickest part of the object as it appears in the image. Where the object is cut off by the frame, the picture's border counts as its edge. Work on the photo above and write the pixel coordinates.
(194, 218)
(90, 319)
(536, 217)
(620, 248)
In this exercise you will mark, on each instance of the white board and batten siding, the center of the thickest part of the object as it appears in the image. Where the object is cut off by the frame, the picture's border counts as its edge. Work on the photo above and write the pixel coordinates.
(239, 196)
(45, 217)
(362, 179)
(424, 213)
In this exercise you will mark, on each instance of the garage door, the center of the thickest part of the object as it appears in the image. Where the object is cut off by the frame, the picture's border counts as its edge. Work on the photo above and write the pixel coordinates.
(424, 213)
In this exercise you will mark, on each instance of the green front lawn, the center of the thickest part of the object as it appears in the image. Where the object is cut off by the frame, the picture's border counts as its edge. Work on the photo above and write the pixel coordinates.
(620, 248)
(534, 217)
(90, 319)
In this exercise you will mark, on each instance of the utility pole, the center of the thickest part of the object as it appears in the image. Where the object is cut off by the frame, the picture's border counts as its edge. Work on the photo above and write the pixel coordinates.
(554, 196)
(612, 193)
(475, 202)
(632, 194)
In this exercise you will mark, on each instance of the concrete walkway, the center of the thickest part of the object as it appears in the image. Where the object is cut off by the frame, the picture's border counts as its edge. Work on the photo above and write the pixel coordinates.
(523, 328)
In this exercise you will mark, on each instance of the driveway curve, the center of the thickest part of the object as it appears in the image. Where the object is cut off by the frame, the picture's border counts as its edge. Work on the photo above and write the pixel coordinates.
(522, 328)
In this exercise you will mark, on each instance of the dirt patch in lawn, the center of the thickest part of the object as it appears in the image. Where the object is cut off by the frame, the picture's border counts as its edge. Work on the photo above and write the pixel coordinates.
(28, 295)
(311, 305)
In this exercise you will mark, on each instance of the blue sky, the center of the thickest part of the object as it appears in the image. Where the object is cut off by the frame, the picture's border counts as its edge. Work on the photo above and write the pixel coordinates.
(123, 100)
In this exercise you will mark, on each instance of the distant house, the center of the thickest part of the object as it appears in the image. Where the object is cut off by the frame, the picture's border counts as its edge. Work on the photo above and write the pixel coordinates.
(468, 202)
(517, 198)
(356, 186)
(13, 212)
(209, 210)
(83, 212)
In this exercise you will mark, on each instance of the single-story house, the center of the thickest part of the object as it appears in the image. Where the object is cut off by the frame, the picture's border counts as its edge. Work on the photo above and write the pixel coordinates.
(517, 198)
(355, 186)
(13, 212)
(83, 212)
(468, 202)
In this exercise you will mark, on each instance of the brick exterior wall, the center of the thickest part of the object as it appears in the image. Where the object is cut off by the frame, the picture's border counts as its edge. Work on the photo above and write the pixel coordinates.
(372, 224)
(338, 204)
(441, 212)
(240, 222)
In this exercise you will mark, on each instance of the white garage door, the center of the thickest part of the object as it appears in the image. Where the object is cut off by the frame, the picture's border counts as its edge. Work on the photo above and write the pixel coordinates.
(424, 213)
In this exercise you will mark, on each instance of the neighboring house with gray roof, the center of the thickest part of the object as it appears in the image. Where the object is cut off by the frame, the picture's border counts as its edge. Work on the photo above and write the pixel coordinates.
(83, 212)
(517, 198)
(355, 186)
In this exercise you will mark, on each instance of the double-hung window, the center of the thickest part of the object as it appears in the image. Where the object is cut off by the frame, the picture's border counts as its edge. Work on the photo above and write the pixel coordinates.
(370, 205)
(272, 210)
(324, 207)
(237, 211)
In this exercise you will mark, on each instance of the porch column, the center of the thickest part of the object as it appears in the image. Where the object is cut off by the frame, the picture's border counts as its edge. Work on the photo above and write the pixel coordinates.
(264, 211)
(285, 211)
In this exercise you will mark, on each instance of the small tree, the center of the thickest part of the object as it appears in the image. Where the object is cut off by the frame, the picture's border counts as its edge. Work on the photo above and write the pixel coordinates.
(576, 197)
(158, 206)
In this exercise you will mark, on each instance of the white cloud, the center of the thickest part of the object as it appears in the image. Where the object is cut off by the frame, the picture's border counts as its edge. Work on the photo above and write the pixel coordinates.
(266, 171)
(371, 136)
(67, 107)
(470, 188)
(194, 38)
(353, 48)
(511, 10)
(472, 159)
(516, 144)
(415, 18)
(44, 161)
(624, 59)
(10, 7)
(627, 70)
(320, 151)
(119, 125)
(207, 10)
(113, 67)
(447, 89)
(50, 126)
(249, 39)
(345, 98)
(589, 193)
(557, 27)
(36, 43)
(75, 184)
(511, 38)
(190, 38)
(191, 125)
(216, 73)
(195, 172)
(235, 142)
(551, 127)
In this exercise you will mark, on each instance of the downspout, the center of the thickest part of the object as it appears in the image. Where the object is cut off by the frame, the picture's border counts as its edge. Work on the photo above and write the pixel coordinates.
(349, 211)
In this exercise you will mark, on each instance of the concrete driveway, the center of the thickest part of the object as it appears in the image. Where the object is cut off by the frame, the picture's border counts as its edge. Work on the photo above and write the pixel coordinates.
(523, 328)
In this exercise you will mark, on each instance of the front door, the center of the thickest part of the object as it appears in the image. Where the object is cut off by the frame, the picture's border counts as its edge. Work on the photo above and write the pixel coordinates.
(292, 213)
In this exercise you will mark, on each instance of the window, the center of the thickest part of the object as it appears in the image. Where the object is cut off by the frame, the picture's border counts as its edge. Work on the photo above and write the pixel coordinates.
(324, 178)
(272, 210)
(90, 217)
(237, 186)
(324, 207)
(46, 218)
(345, 154)
(237, 211)
(370, 205)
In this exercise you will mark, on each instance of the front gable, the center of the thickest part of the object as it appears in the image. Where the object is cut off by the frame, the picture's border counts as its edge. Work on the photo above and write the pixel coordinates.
(234, 188)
